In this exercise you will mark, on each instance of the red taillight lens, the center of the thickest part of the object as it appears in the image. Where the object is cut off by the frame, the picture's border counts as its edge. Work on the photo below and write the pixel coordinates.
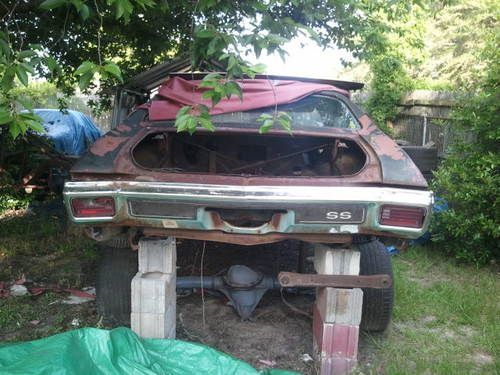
(93, 207)
(401, 216)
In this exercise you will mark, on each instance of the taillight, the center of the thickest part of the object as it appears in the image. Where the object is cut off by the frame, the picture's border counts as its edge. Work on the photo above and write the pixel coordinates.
(93, 207)
(402, 216)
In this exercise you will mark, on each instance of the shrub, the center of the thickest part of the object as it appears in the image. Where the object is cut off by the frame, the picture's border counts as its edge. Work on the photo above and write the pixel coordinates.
(390, 81)
(469, 178)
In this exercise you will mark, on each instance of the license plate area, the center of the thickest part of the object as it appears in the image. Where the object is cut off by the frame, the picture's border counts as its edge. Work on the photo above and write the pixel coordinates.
(161, 209)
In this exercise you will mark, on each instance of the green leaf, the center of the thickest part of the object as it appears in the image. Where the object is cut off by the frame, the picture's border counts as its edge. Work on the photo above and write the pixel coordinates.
(114, 70)
(259, 68)
(8, 78)
(26, 53)
(212, 77)
(266, 126)
(52, 4)
(85, 67)
(184, 111)
(124, 8)
(28, 68)
(5, 116)
(191, 123)
(36, 126)
(232, 63)
(85, 80)
(264, 116)
(30, 116)
(214, 96)
(206, 123)
(51, 64)
(205, 33)
(15, 130)
(84, 12)
(22, 75)
(285, 121)
(5, 48)
(232, 88)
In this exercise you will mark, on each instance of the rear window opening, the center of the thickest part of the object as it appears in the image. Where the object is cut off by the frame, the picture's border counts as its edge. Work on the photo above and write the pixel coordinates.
(249, 155)
(316, 111)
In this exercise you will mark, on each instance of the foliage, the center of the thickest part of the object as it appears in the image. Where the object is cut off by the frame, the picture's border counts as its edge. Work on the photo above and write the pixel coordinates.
(268, 121)
(13, 200)
(37, 94)
(390, 81)
(97, 43)
(390, 60)
(455, 34)
(437, 48)
(469, 178)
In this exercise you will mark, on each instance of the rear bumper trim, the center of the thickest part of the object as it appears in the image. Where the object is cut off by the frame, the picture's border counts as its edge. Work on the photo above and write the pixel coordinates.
(287, 198)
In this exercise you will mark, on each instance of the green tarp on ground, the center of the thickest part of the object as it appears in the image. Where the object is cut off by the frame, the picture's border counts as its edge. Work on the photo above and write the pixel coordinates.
(119, 351)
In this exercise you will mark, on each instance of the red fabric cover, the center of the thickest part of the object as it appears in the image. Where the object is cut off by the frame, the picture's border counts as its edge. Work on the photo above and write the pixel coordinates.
(177, 92)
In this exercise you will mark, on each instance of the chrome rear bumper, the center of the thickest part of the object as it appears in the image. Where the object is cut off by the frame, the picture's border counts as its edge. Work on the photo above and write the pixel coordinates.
(192, 206)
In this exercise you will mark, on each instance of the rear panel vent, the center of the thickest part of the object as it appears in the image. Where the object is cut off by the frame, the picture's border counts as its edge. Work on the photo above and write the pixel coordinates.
(152, 208)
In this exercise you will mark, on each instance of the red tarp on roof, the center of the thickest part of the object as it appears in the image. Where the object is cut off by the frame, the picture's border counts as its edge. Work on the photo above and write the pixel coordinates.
(177, 92)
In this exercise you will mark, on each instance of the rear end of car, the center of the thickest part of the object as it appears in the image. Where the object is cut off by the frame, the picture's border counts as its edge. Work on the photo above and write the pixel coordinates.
(333, 177)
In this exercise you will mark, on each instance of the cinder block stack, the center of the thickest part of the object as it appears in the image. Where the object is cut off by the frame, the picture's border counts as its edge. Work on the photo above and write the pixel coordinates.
(153, 289)
(337, 313)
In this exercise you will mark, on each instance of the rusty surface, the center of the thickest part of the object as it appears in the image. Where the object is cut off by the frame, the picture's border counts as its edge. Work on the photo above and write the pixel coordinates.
(291, 279)
(247, 239)
(119, 161)
(397, 167)
(106, 144)
(386, 162)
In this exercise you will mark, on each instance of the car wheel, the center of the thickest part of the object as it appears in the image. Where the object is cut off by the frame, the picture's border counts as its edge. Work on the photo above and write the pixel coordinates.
(377, 303)
(116, 269)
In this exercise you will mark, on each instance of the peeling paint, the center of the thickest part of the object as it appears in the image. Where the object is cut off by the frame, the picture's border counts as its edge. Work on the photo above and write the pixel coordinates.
(106, 144)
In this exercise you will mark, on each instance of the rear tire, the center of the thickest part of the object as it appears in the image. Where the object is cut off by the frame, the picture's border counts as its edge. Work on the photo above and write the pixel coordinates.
(116, 269)
(377, 303)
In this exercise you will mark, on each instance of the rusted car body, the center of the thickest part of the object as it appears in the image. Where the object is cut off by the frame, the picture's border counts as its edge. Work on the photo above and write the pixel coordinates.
(335, 177)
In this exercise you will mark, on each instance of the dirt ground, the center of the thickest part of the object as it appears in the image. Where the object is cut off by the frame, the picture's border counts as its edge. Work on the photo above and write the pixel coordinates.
(274, 335)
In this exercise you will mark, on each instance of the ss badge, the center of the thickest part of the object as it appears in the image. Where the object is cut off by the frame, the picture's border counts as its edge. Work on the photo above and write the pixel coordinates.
(333, 213)
(339, 215)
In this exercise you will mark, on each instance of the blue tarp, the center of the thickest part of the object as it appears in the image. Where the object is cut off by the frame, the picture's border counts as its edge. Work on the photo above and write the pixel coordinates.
(71, 133)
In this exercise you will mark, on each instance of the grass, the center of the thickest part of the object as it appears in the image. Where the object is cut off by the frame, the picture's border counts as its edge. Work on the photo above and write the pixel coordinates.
(42, 248)
(445, 317)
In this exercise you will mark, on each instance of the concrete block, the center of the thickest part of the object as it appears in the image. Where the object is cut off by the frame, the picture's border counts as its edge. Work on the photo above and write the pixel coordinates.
(336, 365)
(332, 339)
(153, 292)
(328, 261)
(157, 255)
(342, 306)
(150, 325)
